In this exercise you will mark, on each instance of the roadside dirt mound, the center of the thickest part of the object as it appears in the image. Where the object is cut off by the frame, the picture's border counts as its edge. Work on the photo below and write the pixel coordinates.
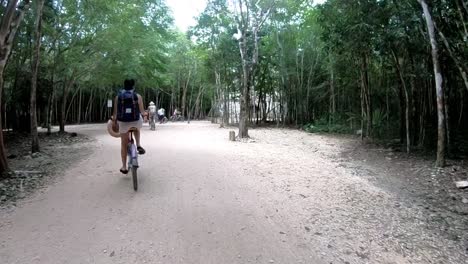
(32, 171)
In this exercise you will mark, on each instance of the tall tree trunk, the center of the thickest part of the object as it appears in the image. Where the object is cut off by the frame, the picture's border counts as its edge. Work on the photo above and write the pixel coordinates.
(462, 99)
(259, 107)
(72, 103)
(422, 123)
(332, 107)
(35, 69)
(10, 21)
(226, 104)
(89, 107)
(366, 95)
(3, 161)
(220, 96)
(407, 106)
(66, 90)
(245, 90)
(253, 23)
(78, 119)
(197, 103)
(447, 118)
(440, 162)
(184, 109)
(363, 112)
(51, 109)
(189, 106)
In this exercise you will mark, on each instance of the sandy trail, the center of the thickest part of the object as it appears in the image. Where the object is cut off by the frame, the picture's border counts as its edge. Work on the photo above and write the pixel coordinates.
(203, 199)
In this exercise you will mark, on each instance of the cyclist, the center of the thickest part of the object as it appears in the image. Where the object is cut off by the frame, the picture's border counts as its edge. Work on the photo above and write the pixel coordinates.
(152, 112)
(128, 113)
(161, 114)
(176, 115)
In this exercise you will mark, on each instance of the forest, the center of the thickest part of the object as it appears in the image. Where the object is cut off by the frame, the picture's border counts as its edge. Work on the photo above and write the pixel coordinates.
(388, 70)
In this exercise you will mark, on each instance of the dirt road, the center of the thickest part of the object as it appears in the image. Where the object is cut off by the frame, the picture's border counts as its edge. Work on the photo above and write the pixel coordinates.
(282, 198)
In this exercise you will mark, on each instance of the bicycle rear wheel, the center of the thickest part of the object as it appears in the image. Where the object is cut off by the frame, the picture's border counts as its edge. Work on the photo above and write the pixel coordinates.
(135, 178)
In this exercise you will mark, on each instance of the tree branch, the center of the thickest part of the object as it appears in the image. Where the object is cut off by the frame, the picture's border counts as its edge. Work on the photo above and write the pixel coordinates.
(7, 17)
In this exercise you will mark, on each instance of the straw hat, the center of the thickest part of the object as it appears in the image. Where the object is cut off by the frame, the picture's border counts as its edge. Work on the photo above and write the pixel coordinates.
(113, 128)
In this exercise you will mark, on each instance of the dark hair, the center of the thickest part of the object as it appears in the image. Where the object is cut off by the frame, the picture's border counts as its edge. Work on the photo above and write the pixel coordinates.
(129, 84)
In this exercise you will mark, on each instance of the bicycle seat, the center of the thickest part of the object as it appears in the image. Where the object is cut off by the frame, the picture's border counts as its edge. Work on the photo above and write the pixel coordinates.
(132, 129)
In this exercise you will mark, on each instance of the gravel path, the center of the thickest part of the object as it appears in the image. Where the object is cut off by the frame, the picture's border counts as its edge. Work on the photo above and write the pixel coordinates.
(282, 197)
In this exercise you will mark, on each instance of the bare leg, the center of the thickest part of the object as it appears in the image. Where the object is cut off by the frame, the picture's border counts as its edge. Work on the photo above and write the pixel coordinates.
(137, 137)
(123, 150)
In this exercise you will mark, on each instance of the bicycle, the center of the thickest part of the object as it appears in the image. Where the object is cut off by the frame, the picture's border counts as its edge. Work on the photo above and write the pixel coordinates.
(132, 156)
(162, 120)
(176, 118)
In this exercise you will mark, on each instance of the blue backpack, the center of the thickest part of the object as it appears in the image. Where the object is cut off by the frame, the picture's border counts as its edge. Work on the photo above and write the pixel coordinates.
(127, 106)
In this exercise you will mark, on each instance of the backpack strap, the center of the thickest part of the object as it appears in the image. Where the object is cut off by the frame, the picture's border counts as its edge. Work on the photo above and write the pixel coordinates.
(135, 104)
(121, 96)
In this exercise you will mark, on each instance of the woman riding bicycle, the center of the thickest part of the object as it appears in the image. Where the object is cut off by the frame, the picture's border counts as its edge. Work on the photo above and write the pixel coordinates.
(127, 113)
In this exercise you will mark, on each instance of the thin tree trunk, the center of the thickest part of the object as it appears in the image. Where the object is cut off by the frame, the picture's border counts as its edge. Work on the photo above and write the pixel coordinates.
(387, 107)
(407, 106)
(66, 90)
(226, 103)
(79, 107)
(189, 106)
(440, 162)
(458, 61)
(236, 114)
(103, 109)
(447, 118)
(366, 95)
(259, 107)
(462, 106)
(362, 111)
(72, 102)
(332, 108)
(202, 112)
(89, 107)
(462, 17)
(171, 108)
(51, 110)
(220, 96)
(35, 69)
(184, 95)
(197, 103)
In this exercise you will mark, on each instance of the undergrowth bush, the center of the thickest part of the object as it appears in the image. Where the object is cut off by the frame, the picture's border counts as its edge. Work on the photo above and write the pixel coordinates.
(323, 125)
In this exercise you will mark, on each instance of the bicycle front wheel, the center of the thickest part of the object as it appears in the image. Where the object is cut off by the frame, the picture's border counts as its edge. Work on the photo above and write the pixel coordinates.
(135, 178)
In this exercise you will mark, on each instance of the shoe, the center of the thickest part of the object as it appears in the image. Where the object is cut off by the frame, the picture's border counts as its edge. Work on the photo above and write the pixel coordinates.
(141, 150)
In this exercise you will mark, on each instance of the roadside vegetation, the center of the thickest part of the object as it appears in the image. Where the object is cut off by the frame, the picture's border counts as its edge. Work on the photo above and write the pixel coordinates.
(383, 69)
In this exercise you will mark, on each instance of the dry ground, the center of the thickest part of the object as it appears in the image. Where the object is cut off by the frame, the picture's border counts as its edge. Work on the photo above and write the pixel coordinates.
(283, 197)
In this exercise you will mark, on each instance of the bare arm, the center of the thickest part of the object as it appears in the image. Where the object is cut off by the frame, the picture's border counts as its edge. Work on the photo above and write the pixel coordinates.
(141, 106)
(114, 115)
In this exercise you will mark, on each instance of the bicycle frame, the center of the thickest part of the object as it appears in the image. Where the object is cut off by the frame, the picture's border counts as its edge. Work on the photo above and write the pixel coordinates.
(132, 156)
(132, 152)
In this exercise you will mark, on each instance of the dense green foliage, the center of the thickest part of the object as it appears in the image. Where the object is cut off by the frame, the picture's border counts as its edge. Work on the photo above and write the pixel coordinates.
(340, 67)
(89, 47)
(345, 66)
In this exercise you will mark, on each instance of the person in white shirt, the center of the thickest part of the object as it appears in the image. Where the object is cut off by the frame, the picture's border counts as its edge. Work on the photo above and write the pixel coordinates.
(161, 114)
(152, 111)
